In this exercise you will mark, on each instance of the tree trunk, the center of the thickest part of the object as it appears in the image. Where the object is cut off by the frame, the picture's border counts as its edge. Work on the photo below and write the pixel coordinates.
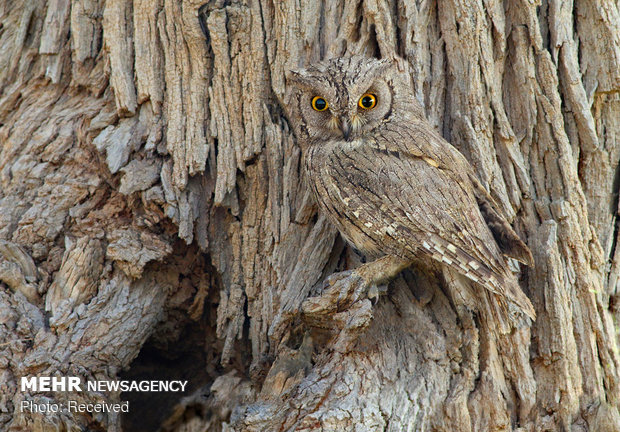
(154, 222)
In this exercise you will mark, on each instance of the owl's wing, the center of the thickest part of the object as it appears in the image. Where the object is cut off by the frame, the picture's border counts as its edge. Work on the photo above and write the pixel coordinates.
(507, 239)
(413, 208)
(418, 140)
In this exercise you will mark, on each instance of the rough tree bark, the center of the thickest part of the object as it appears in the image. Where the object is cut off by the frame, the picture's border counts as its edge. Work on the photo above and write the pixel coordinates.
(154, 221)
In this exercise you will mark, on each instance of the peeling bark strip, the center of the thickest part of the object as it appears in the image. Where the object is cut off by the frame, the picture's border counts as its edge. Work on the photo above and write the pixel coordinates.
(127, 130)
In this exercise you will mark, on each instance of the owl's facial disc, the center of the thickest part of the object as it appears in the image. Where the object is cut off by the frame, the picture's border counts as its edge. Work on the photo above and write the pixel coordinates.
(353, 120)
(333, 123)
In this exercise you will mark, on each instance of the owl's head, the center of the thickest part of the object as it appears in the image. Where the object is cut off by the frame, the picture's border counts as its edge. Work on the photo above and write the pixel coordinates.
(346, 98)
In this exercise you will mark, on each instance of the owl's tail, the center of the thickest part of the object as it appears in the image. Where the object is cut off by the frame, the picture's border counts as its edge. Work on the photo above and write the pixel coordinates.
(505, 300)
(509, 288)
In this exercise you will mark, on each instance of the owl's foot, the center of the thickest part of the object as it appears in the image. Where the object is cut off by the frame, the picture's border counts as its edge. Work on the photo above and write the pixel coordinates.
(338, 293)
(345, 293)
(349, 286)
(336, 309)
(342, 289)
(352, 286)
(367, 281)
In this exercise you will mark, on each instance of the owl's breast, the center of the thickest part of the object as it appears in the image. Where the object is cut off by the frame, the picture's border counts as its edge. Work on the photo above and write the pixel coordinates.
(332, 171)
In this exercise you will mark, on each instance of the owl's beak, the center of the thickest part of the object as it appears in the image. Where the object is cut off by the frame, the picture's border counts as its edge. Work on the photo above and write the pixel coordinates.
(345, 127)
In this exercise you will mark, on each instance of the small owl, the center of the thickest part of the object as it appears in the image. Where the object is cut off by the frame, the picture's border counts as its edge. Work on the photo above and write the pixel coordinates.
(395, 189)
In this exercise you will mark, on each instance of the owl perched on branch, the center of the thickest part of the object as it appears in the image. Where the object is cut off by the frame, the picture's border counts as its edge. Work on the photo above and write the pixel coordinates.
(395, 189)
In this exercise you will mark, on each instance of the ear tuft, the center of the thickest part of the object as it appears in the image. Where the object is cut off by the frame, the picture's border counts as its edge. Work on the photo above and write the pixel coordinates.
(384, 66)
(299, 79)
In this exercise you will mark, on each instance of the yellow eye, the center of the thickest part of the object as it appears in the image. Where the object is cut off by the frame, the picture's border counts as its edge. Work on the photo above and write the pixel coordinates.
(319, 104)
(367, 101)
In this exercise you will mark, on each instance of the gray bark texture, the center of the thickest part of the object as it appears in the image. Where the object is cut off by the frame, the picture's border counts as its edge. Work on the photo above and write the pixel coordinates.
(155, 224)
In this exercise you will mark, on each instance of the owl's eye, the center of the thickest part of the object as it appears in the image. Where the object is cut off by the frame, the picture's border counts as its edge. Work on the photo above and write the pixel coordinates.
(367, 101)
(319, 104)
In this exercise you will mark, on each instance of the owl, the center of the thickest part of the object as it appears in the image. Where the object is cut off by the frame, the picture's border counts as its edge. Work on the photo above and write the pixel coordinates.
(394, 188)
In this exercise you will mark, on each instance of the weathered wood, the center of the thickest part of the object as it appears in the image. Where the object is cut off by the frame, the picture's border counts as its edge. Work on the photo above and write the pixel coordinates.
(130, 130)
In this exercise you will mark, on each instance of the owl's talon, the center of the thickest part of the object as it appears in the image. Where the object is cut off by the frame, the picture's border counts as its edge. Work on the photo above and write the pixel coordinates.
(347, 287)
(350, 288)
(375, 291)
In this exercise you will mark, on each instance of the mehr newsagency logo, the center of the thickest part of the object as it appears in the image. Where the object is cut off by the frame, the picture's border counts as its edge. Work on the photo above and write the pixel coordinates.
(46, 384)
(74, 384)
